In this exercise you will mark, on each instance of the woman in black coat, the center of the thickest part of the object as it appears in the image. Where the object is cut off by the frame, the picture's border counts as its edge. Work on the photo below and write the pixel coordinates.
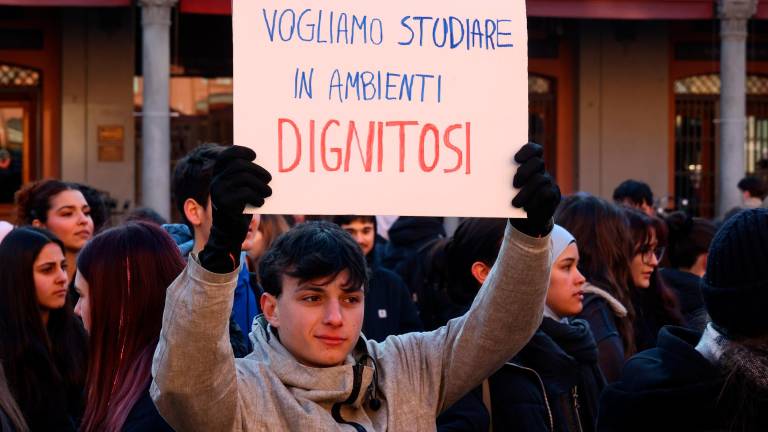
(553, 383)
(655, 304)
(42, 344)
(605, 244)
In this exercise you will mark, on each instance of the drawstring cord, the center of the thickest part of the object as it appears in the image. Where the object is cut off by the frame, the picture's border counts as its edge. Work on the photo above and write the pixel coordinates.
(373, 401)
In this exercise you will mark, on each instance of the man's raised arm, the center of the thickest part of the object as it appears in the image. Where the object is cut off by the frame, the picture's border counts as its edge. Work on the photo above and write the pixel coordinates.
(194, 380)
(447, 363)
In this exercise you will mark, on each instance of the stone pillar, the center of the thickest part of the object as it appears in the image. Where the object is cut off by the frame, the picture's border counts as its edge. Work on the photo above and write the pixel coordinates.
(734, 15)
(156, 121)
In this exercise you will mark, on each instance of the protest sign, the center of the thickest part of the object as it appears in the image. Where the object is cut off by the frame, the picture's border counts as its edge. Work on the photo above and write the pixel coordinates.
(399, 107)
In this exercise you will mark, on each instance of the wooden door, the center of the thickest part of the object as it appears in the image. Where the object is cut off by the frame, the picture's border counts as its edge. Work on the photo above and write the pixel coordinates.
(17, 148)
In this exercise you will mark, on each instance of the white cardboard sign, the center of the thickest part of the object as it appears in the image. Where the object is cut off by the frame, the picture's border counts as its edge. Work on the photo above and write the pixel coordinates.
(399, 107)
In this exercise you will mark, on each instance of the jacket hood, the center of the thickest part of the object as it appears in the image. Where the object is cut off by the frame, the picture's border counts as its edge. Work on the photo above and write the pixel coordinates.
(557, 349)
(619, 309)
(182, 236)
(329, 385)
(680, 278)
(669, 381)
(687, 287)
(674, 387)
(674, 356)
(574, 338)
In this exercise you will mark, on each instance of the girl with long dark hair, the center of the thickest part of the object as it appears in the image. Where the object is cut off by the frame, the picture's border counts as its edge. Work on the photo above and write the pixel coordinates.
(61, 208)
(655, 304)
(43, 345)
(122, 275)
(605, 246)
(715, 380)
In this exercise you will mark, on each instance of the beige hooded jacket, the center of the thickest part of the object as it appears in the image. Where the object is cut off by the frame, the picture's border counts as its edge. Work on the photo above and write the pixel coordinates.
(401, 384)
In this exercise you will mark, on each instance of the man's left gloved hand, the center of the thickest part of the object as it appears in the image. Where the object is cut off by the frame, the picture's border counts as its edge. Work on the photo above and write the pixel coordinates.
(539, 195)
(237, 181)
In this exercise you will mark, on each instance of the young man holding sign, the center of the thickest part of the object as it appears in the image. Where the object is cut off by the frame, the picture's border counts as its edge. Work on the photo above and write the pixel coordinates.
(310, 369)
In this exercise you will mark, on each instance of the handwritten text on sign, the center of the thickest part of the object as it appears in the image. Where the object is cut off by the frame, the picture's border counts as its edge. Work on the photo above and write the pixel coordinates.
(383, 108)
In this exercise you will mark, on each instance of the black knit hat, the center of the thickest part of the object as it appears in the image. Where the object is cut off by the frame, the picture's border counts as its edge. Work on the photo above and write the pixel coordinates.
(735, 287)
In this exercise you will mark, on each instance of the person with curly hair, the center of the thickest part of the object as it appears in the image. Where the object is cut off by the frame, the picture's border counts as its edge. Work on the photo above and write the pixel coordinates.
(61, 208)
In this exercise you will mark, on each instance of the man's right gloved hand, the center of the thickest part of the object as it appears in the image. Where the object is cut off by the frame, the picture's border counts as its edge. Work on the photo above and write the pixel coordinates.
(237, 181)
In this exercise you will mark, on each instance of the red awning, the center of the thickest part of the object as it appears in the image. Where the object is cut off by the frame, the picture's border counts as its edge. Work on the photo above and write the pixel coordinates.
(598, 9)
(214, 7)
(623, 9)
(762, 10)
(92, 3)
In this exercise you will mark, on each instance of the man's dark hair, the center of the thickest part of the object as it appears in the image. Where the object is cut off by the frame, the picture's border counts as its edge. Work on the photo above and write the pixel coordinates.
(348, 219)
(312, 250)
(754, 185)
(689, 237)
(145, 214)
(476, 239)
(634, 191)
(192, 177)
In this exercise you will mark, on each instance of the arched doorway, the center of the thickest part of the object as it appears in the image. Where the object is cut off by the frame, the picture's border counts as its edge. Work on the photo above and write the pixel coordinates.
(697, 108)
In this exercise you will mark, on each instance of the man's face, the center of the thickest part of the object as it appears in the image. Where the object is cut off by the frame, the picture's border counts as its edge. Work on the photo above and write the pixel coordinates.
(363, 232)
(201, 219)
(251, 236)
(204, 221)
(647, 209)
(318, 320)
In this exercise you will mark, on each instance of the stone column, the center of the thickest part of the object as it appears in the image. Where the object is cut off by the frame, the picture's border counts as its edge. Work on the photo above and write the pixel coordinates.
(734, 15)
(156, 122)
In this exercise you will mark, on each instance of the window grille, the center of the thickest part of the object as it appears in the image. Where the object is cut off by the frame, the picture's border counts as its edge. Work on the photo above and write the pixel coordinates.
(13, 76)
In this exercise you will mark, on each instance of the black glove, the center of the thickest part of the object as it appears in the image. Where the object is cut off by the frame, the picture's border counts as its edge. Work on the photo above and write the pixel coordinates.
(539, 195)
(236, 182)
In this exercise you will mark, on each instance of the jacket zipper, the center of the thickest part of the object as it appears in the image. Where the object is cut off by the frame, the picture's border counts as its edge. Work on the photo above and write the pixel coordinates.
(575, 394)
(543, 392)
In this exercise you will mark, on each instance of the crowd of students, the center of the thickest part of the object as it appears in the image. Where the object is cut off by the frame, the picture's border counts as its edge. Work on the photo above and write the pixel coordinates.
(588, 315)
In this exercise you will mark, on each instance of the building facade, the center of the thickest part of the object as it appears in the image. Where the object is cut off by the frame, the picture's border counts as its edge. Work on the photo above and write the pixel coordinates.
(674, 93)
